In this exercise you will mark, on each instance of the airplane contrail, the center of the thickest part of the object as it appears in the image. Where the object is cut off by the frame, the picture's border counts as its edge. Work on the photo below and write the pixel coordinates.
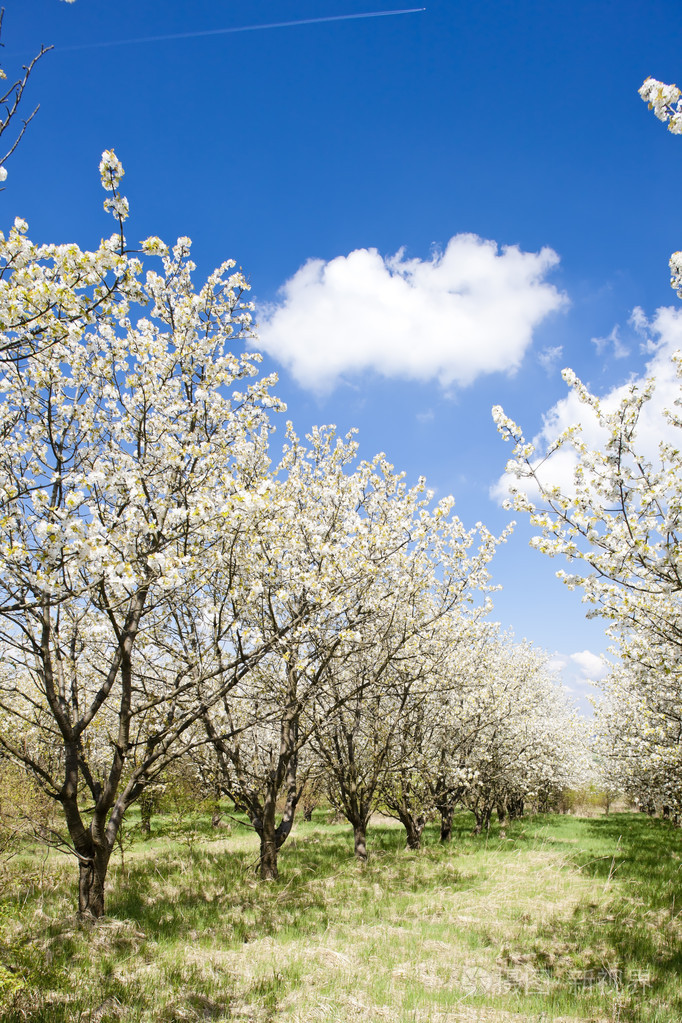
(244, 28)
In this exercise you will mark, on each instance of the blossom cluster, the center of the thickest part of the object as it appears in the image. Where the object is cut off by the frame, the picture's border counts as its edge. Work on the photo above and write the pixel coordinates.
(665, 101)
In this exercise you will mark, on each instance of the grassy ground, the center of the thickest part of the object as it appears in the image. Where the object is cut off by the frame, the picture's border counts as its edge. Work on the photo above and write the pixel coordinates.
(565, 919)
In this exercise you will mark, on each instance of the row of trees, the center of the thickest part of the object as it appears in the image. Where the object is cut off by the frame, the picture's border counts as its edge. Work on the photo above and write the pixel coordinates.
(466, 719)
(639, 737)
(167, 588)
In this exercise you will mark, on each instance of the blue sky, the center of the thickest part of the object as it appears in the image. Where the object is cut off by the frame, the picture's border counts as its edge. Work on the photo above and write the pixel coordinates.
(366, 145)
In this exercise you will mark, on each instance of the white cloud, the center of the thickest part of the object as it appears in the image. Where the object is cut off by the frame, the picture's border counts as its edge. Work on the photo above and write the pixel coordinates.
(652, 428)
(620, 350)
(577, 673)
(469, 310)
(549, 358)
(591, 666)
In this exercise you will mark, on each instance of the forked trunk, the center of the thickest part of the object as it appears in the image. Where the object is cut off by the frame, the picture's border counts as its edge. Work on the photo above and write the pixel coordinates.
(271, 841)
(272, 837)
(308, 811)
(482, 820)
(445, 800)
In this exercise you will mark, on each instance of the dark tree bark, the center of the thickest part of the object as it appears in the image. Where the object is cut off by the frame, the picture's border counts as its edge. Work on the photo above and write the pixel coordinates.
(92, 839)
(353, 791)
(273, 836)
(91, 881)
(445, 797)
(93, 845)
(409, 799)
(446, 815)
(515, 808)
(482, 818)
(356, 758)
(414, 826)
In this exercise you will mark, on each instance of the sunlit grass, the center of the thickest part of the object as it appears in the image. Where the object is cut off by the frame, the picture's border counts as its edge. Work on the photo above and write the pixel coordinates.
(563, 919)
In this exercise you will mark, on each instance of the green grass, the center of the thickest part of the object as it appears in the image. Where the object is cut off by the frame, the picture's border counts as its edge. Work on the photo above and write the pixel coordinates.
(565, 919)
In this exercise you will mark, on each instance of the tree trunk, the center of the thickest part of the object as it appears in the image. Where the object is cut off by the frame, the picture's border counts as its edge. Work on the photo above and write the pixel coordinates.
(360, 840)
(146, 805)
(482, 820)
(515, 808)
(268, 859)
(445, 799)
(413, 828)
(92, 876)
(446, 825)
(268, 839)
(272, 837)
(216, 815)
(308, 811)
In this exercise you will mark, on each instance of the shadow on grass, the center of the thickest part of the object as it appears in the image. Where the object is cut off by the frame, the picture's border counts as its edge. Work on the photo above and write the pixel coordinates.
(635, 921)
(217, 895)
(196, 893)
(201, 894)
(636, 924)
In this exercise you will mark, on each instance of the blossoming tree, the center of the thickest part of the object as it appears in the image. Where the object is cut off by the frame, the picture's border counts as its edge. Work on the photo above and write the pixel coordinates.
(620, 522)
(638, 732)
(348, 568)
(379, 705)
(622, 517)
(118, 484)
